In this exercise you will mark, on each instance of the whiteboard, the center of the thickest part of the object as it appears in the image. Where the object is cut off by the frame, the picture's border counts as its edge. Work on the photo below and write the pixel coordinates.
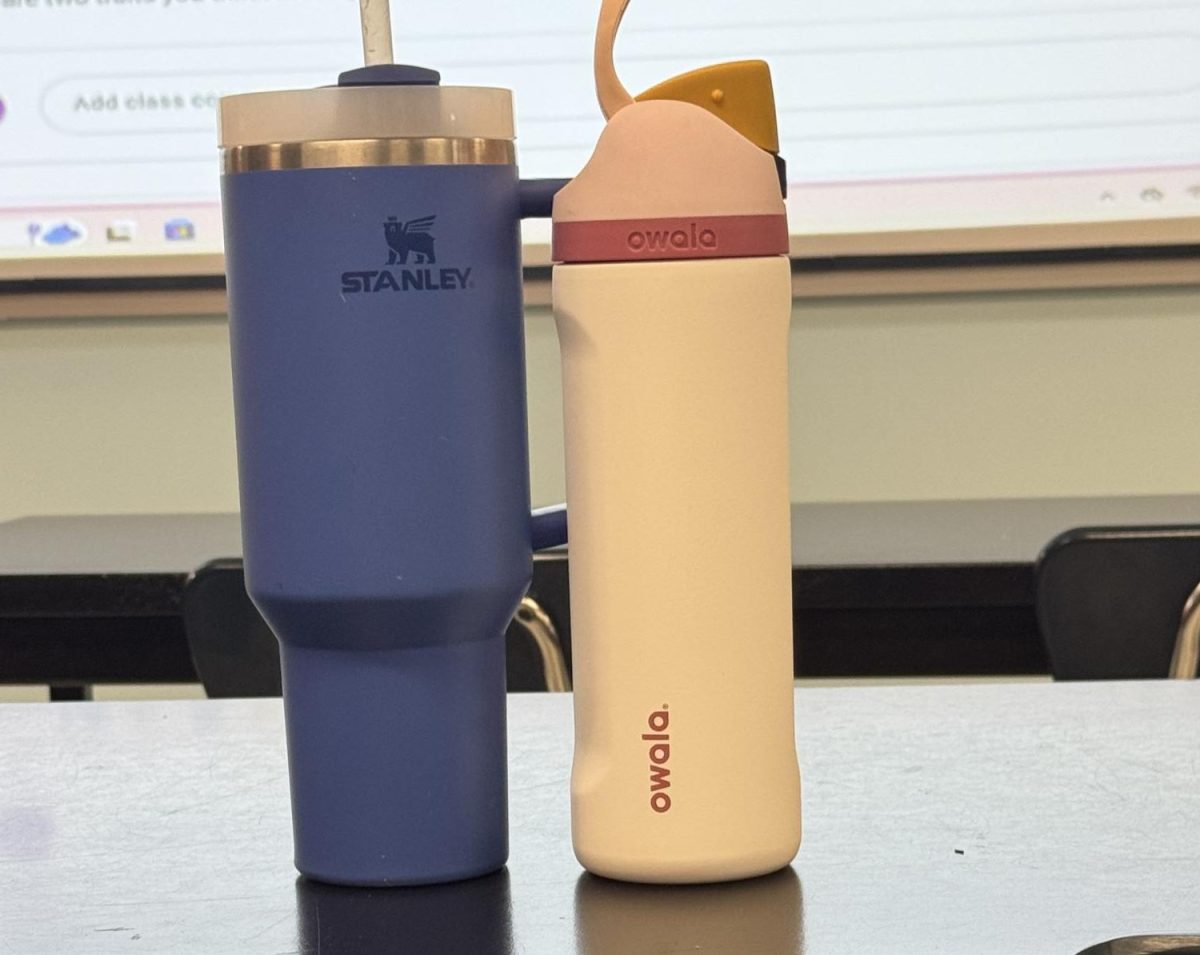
(899, 119)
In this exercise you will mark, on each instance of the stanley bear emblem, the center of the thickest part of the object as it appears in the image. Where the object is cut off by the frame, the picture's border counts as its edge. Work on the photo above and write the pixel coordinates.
(411, 236)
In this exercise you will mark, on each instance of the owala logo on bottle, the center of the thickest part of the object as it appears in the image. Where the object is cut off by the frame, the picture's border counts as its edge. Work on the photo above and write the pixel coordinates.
(660, 755)
(404, 238)
(693, 238)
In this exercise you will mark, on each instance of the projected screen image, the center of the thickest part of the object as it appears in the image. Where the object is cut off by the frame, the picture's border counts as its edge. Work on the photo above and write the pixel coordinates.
(895, 115)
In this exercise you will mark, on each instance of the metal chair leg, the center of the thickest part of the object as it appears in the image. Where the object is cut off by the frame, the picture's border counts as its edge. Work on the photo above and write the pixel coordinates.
(1185, 662)
(545, 636)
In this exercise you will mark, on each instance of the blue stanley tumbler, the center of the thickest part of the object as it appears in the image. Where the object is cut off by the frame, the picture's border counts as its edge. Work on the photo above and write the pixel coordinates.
(373, 260)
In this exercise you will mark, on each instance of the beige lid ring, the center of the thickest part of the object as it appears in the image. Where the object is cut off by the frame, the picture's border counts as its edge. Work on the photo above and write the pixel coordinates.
(365, 112)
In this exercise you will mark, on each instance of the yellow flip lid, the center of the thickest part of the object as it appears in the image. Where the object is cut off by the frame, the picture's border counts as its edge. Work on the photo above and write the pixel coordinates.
(740, 93)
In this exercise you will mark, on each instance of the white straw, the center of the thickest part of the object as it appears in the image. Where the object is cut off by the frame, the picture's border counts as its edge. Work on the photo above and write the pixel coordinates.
(376, 31)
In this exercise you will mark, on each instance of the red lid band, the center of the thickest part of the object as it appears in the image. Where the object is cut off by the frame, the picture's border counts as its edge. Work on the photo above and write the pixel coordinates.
(699, 237)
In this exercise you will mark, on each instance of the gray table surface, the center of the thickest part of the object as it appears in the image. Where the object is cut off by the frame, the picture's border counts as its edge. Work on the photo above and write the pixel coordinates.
(853, 534)
(1007, 819)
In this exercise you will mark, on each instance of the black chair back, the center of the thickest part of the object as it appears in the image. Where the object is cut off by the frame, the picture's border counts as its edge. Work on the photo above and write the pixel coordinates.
(234, 651)
(1110, 599)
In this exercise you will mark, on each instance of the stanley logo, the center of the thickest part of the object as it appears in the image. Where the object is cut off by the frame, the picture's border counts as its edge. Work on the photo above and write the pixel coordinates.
(413, 237)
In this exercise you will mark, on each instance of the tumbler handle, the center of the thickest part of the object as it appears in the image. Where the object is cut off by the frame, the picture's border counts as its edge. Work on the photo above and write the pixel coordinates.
(536, 197)
(536, 201)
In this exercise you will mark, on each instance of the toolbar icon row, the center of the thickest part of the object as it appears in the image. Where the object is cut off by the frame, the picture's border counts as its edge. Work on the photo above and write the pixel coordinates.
(63, 232)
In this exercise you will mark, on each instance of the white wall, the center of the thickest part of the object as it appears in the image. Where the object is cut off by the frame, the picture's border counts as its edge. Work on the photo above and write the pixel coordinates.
(1081, 393)
(1020, 395)
(115, 417)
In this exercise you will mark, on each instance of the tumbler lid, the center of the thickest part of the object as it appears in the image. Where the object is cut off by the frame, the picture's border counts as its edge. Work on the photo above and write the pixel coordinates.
(375, 102)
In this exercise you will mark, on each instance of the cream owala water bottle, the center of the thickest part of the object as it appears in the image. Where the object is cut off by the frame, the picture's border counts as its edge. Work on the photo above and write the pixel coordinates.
(672, 295)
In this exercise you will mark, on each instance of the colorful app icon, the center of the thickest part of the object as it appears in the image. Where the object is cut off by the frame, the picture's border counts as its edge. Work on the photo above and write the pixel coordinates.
(121, 230)
(177, 230)
(63, 232)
